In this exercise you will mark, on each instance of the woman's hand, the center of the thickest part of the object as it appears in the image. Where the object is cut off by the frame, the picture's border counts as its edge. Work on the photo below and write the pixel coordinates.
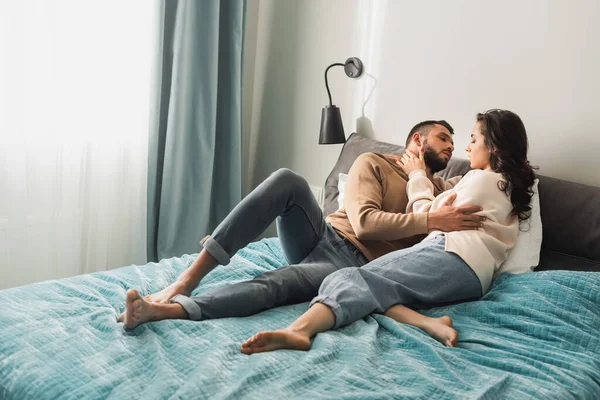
(410, 163)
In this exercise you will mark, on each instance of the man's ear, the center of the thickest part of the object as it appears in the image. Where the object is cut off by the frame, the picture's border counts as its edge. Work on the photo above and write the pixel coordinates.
(417, 138)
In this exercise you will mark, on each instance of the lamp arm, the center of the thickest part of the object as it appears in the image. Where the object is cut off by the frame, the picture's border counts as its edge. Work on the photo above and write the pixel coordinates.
(327, 83)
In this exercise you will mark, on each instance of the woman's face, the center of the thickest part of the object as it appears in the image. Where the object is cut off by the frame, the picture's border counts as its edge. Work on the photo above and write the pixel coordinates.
(478, 153)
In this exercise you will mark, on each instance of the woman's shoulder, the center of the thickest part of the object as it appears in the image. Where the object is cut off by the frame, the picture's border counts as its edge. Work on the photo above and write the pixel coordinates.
(482, 174)
(485, 181)
(479, 175)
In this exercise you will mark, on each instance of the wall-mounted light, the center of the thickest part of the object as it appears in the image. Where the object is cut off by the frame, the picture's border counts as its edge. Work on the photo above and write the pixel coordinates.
(332, 129)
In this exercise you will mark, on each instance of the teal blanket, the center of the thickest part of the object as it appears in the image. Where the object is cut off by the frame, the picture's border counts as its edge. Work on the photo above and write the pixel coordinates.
(532, 336)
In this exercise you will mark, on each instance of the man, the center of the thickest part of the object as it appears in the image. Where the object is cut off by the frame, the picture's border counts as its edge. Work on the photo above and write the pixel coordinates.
(372, 223)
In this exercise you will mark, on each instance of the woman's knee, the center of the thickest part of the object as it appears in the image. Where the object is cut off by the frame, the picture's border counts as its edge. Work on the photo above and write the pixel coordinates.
(343, 276)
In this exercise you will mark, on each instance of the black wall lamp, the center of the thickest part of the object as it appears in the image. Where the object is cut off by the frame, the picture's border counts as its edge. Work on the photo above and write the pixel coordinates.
(332, 129)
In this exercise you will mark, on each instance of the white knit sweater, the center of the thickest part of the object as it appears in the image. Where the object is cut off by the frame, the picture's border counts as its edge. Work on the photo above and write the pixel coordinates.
(485, 249)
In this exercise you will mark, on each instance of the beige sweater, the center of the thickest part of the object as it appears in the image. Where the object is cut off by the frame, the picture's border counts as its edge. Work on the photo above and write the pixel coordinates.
(373, 217)
(484, 250)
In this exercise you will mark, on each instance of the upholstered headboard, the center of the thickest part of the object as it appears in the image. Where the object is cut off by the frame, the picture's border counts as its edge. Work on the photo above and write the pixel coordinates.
(354, 147)
(570, 211)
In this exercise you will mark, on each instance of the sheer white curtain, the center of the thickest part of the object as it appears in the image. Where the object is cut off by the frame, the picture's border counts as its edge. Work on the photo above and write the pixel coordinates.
(74, 111)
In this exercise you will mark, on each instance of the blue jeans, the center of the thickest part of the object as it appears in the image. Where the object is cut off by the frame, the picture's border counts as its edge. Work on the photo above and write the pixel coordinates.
(311, 246)
(424, 275)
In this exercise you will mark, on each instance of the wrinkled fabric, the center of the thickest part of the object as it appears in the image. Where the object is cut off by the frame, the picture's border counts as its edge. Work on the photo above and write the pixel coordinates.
(195, 134)
(531, 336)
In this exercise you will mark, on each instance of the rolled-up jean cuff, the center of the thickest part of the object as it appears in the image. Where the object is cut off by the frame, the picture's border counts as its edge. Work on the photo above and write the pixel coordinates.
(335, 308)
(189, 305)
(215, 250)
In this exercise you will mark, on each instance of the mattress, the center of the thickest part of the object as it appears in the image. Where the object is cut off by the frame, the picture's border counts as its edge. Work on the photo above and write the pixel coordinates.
(531, 336)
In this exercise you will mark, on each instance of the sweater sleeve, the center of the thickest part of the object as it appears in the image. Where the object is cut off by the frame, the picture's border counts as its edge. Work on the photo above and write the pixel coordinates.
(450, 183)
(420, 192)
(363, 203)
(440, 185)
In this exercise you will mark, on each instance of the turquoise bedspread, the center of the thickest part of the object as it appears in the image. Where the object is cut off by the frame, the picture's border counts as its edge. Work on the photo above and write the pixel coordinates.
(532, 336)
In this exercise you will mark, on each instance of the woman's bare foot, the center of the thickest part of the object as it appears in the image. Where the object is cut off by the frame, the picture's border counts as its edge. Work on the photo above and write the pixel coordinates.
(137, 311)
(441, 330)
(275, 340)
(165, 295)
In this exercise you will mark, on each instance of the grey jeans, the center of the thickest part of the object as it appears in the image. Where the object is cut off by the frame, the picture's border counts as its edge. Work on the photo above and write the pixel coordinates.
(311, 246)
(424, 275)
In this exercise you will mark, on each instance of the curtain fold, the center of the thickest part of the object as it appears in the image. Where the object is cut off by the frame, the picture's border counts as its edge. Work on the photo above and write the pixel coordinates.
(194, 163)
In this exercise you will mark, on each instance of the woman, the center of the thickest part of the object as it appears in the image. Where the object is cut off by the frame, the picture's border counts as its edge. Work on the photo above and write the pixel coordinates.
(445, 267)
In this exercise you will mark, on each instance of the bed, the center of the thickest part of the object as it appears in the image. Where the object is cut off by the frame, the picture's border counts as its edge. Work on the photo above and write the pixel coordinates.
(532, 335)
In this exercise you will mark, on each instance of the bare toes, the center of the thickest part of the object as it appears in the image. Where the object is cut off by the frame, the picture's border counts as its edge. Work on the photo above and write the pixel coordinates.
(260, 349)
(132, 295)
(259, 339)
(454, 339)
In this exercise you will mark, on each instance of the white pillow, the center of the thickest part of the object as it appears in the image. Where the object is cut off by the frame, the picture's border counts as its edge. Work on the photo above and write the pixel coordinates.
(342, 178)
(525, 256)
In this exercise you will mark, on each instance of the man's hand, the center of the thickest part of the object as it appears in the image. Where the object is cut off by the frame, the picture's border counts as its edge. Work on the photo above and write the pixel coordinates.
(410, 163)
(449, 218)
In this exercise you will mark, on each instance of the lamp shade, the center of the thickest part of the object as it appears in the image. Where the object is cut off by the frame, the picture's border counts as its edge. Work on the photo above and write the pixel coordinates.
(332, 129)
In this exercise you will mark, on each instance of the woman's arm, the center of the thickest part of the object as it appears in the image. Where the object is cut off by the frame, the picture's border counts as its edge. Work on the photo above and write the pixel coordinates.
(419, 188)
(420, 192)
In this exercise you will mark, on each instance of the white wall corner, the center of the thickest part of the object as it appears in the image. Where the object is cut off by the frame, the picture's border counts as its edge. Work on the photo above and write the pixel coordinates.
(318, 193)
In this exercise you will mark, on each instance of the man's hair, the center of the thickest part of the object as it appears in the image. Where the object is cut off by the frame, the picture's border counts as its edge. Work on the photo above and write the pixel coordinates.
(424, 127)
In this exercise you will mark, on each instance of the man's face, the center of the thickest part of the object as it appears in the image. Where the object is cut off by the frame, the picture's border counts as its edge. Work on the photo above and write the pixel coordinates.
(438, 146)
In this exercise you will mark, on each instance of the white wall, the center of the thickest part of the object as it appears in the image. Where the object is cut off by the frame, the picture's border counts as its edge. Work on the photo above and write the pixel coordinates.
(294, 42)
(434, 59)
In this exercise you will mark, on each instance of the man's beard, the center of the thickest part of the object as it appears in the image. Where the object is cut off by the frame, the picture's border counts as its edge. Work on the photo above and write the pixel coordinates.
(433, 160)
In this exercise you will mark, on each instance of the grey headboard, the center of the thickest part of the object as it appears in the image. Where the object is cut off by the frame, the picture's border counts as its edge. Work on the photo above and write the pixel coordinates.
(354, 147)
(570, 211)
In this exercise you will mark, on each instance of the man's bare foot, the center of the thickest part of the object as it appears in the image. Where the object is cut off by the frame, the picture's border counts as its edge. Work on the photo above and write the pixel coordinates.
(137, 311)
(165, 295)
(441, 330)
(275, 340)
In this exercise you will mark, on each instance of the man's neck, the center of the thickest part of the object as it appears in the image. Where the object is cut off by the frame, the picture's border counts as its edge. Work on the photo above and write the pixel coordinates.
(428, 171)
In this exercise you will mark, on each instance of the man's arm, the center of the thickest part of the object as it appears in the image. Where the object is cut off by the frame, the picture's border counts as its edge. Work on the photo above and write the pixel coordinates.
(363, 201)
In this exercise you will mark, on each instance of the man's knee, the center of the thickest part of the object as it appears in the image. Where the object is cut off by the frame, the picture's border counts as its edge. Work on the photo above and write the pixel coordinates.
(289, 180)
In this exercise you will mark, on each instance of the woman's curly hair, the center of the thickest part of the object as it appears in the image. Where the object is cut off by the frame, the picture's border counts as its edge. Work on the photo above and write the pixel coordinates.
(504, 134)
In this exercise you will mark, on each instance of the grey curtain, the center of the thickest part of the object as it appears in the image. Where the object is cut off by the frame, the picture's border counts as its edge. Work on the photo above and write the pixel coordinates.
(194, 167)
